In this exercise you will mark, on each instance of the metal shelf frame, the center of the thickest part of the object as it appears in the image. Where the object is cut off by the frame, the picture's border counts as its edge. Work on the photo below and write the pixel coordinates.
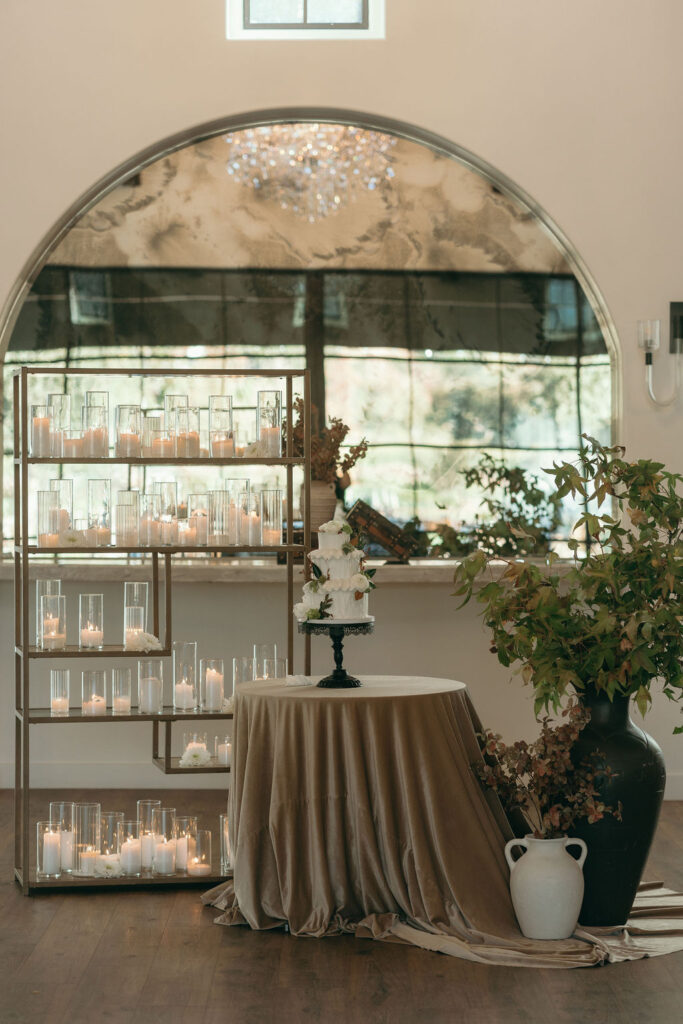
(162, 573)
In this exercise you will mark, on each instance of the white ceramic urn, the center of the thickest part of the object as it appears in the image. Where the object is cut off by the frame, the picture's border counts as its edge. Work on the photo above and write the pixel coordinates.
(546, 885)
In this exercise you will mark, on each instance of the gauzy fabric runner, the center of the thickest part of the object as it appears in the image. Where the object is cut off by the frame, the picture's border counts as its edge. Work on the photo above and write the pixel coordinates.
(359, 811)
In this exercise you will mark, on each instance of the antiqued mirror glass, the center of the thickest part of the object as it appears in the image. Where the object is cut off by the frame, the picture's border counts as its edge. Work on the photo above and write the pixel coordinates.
(438, 315)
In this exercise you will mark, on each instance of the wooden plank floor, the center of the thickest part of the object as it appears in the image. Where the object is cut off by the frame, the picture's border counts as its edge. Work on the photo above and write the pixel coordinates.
(157, 958)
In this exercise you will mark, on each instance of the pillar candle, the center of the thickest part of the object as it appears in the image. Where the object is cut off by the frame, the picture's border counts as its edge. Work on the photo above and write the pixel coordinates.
(223, 449)
(213, 690)
(163, 448)
(197, 867)
(150, 695)
(95, 706)
(52, 853)
(188, 538)
(271, 536)
(59, 706)
(131, 856)
(87, 862)
(201, 525)
(187, 445)
(225, 753)
(41, 446)
(181, 853)
(91, 636)
(121, 705)
(95, 443)
(164, 858)
(128, 446)
(67, 850)
(270, 440)
(73, 447)
(147, 845)
(184, 695)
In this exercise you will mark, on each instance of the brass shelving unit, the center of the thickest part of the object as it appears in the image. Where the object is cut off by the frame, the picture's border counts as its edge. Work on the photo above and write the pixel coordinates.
(24, 652)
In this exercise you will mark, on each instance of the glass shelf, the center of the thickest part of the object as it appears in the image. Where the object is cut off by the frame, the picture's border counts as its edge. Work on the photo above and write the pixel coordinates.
(43, 716)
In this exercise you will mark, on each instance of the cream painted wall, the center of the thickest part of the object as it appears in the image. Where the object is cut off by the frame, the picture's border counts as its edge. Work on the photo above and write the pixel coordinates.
(577, 103)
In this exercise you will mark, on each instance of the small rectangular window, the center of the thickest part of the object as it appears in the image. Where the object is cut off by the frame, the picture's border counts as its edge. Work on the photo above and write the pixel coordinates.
(305, 19)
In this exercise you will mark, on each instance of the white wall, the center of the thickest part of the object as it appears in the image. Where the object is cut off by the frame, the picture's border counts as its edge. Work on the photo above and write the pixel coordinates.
(578, 103)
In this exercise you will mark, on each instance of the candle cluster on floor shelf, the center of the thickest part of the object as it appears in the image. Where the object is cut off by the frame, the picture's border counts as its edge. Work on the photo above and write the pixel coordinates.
(231, 515)
(83, 841)
(217, 431)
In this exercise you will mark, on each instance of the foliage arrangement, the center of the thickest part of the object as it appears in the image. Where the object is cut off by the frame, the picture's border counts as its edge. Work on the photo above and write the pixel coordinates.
(328, 463)
(511, 496)
(612, 620)
(541, 779)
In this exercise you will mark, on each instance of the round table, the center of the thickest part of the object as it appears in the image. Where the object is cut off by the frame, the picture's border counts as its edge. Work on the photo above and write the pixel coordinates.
(347, 805)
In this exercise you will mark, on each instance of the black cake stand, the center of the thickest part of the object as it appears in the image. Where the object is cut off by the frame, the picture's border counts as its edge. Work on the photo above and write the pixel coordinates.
(337, 630)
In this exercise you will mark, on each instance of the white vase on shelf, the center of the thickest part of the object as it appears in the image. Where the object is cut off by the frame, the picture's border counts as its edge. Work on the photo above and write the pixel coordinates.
(546, 886)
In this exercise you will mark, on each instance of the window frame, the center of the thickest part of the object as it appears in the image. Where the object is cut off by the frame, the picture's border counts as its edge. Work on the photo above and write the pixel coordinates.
(239, 27)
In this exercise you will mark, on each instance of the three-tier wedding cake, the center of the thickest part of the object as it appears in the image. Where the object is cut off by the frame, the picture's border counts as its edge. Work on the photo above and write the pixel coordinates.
(340, 584)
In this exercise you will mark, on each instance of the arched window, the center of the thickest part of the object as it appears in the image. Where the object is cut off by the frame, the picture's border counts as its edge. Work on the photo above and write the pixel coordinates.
(438, 317)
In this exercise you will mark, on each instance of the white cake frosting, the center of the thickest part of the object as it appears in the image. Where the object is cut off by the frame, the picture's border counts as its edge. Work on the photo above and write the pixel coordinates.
(338, 576)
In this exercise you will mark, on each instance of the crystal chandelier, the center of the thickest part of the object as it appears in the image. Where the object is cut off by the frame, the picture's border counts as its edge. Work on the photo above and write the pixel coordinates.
(312, 169)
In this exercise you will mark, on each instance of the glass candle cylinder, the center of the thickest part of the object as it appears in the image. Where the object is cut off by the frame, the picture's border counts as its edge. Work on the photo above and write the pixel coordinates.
(150, 520)
(109, 860)
(127, 526)
(146, 809)
(243, 671)
(196, 752)
(162, 445)
(185, 696)
(221, 443)
(212, 683)
(87, 839)
(94, 691)
(41, 431)
(121, 691)
(274, 668)
(163, 825)
(135, 596)
(198, 517)
(131, 498)
(133, 627)
(59, 406)
(219, 518)
(269, 415)
(63, 814)
(52, 622)
(271, 517)
(151, 686)
(243, 429)
(44, 588)
(48, 850)
(168, 494)
(72, 443)
(60, 679)
(263, 652)
(128, 431)
(185, 826)
(223, 750)
(250, 520)
(130, 847)
(95, 431)
(152, 427)
(65, 502)
(186, 432)
(91, 621)
(99, 513)
(219, 404)
(48, 519)
(187, 533)
(171, 404)
(199, 853)
(226, 849)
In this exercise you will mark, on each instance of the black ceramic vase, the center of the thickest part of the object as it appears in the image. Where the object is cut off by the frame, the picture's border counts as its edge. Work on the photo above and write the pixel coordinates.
(617, 850)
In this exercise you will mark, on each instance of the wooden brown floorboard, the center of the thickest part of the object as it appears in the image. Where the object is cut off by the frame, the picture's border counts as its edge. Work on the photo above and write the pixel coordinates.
(155, 957)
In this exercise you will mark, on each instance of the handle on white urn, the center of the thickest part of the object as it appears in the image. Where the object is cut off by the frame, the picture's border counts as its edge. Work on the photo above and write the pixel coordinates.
(510, 845)
(584, 849)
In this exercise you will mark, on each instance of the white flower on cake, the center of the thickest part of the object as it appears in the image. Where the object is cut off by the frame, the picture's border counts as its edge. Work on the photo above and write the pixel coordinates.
(300, 610)
(335, 526)
(360, 582)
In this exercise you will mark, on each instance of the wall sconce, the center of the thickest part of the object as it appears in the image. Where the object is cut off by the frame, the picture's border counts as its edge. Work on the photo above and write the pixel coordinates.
(649, 334)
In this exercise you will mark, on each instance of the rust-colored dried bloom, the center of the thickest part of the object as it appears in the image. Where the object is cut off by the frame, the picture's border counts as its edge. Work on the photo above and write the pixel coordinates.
(328, 463)
(541, 779)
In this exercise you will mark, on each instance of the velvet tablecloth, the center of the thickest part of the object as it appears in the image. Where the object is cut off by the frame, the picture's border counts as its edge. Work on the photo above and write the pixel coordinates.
(358, 810)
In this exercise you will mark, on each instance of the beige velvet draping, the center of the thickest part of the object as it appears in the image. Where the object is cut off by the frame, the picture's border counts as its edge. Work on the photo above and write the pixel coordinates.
(359, 811)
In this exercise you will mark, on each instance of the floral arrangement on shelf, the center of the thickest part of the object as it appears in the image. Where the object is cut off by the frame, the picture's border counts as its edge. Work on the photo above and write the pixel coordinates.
(142, 642)
(541, 779)
(612, 621)
(195, 757)
(329, 464)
